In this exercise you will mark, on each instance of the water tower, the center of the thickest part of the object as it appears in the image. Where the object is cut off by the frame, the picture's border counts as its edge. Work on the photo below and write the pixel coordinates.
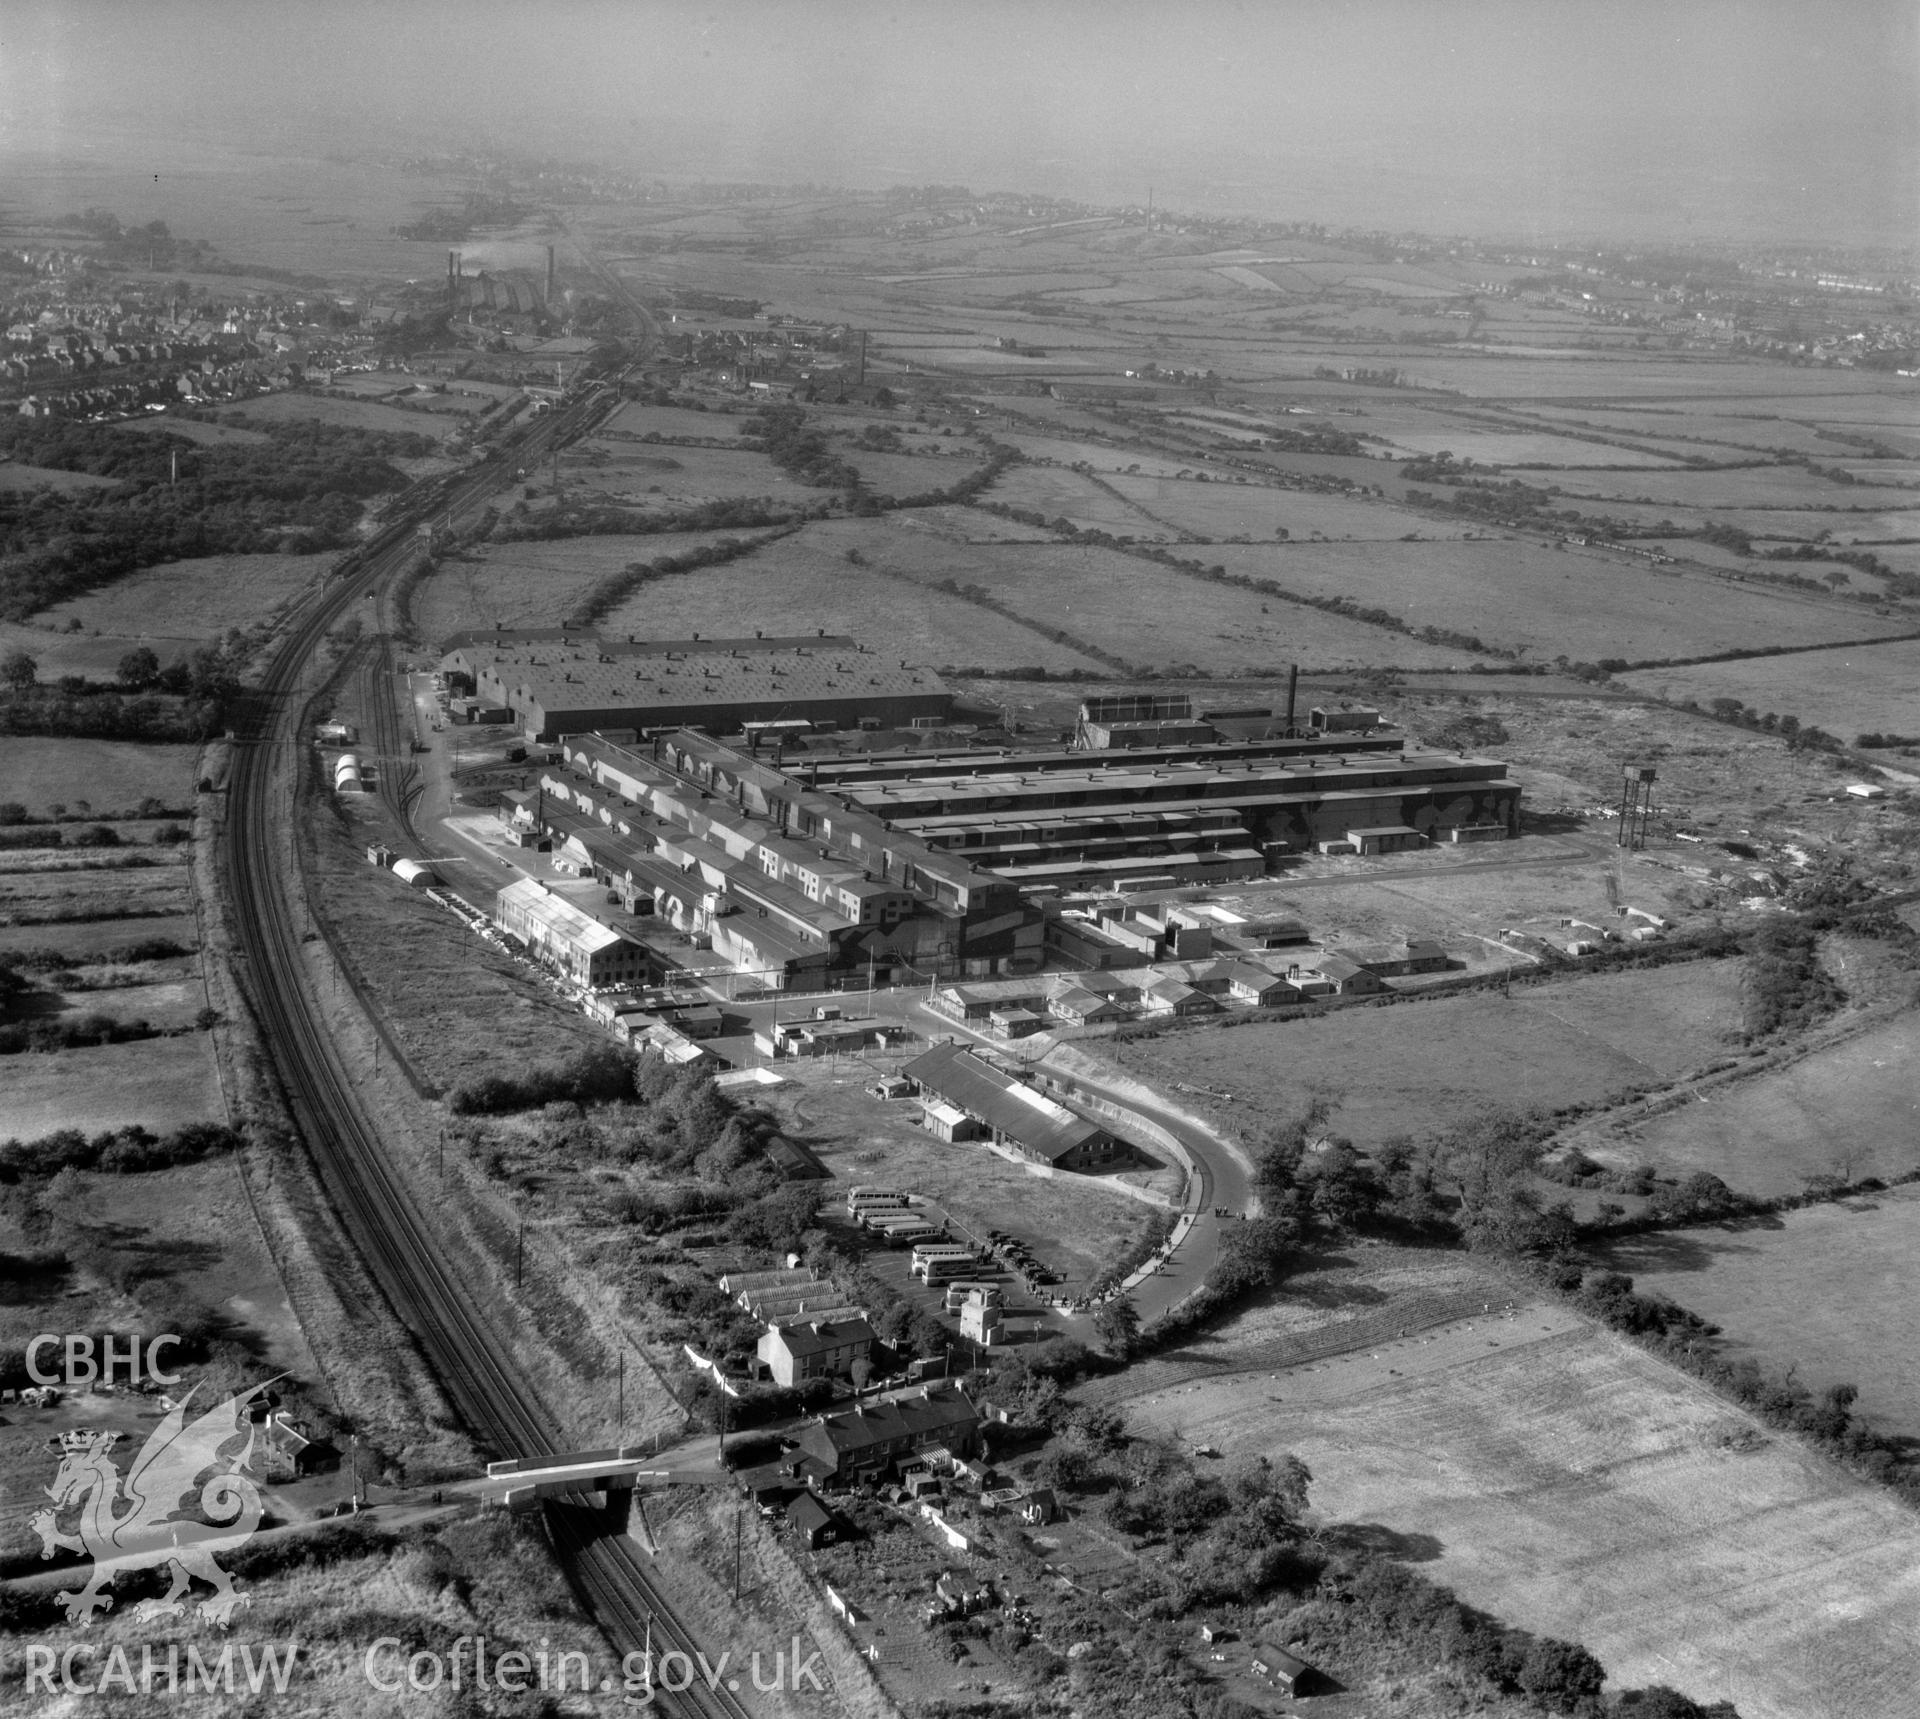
(1636, 805)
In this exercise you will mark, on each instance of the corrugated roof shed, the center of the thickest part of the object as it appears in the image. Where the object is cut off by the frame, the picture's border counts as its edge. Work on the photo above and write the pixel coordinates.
(1029, 1118)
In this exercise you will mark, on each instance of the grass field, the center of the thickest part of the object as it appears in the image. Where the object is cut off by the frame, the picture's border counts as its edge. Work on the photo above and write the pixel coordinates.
(1858, 1100)
(936, 466)
(1571, 1485)
(294, 408)
(1066, 494)
(131, 893)
(160, 1083)
(1417, 1067)
(184, 603)
(1233, 510)
(192, 430)
(636, 419)
(674, 476)
(805, 582)
(15, 476)
(1808, 1290)
(1152, 614)
(110, 775)
(1755, 486)
(96, 936)
(1585, 604)
(1846, 692)
(536, 584)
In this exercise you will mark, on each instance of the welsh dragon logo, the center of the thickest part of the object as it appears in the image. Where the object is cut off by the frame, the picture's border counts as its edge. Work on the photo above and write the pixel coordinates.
(152, 1530)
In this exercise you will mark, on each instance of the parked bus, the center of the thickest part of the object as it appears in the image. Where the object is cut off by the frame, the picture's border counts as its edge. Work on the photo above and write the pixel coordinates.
(943, 1269)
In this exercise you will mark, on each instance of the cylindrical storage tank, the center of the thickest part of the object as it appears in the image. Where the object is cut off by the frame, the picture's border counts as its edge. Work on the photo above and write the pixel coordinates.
(412, 873)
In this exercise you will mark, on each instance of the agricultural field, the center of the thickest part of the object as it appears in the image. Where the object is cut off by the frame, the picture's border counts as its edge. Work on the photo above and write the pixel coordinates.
(180, 604)
(1222, 511)
(82, 939)
(936, 467)
(639, 419)
(106, 776)
(1101, 457)
(1059, 493)
(1851, 1107)
(1417, 1067)
(666, 477)
(106, 888)
(537, 584)
(1099, 595)
(1715, 434)
(1808, 1291)
(802, 585)
(1545, 602)
(1847, 691)
(1746, 486)
(160, 1083)
(1572, 1485)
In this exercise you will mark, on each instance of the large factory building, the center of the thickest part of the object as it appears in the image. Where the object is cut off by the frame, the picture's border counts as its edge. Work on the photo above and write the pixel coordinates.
(557, 682)
(901, 864)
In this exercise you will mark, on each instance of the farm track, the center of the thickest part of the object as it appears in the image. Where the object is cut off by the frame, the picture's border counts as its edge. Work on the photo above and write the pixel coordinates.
(394, 1235)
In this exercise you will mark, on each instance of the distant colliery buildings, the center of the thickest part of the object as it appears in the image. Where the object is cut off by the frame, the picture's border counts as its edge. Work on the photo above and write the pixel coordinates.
(840, 868)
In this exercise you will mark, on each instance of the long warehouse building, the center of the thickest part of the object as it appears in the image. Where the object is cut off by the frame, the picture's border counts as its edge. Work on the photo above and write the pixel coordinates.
(557, 682)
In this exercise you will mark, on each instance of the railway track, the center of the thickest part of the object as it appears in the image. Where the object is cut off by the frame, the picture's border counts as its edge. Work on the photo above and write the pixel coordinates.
(394, 1235)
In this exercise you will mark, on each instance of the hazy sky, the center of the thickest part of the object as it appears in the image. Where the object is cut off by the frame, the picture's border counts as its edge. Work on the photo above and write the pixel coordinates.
(1627, 118)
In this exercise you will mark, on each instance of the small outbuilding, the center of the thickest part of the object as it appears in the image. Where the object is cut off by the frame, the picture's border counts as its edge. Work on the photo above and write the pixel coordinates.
(1287, 1673)
(816, 1525)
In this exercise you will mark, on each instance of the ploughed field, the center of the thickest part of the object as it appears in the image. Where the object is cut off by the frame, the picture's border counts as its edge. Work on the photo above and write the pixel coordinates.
(1568, 1483)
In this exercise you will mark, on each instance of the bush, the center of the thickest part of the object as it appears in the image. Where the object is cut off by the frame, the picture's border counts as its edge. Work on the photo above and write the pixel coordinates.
(598, 1074)
(117, 1151)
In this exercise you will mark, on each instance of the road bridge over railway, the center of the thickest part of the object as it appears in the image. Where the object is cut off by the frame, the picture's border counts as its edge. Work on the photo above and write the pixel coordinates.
(525, 1483)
